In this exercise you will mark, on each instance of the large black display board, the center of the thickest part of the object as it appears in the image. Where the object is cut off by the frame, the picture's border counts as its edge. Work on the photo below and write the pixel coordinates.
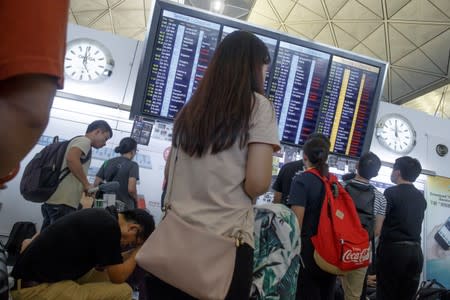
(314, 88)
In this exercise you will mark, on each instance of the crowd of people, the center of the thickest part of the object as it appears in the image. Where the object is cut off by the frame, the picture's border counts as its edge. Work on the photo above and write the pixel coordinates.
(220, 162)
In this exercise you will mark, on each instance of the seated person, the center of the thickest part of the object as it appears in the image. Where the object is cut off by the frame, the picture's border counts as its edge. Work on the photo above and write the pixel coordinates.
(79, 256)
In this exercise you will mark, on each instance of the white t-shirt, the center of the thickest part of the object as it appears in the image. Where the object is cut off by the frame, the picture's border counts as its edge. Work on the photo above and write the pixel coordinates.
(209, 191)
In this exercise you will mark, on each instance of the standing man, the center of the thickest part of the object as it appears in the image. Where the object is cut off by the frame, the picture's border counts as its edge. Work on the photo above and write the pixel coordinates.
(371, 207)
(77, 159)
(282, 185)
(399, 254)
(31, 69)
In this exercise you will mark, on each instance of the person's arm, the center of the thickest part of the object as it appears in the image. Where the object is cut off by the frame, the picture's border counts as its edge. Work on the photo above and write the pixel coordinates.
(258, 172)
(379, 219)
(299, 211)
(97, 181)
(132, 189)
(277, 197)
(167, 166)
(27, 98)
(75, 166)
(120, 272)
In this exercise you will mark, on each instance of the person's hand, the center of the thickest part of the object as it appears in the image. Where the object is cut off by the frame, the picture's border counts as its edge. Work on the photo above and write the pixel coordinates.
(372, 280)
(433, 249)
(87, 187)
(86, 201)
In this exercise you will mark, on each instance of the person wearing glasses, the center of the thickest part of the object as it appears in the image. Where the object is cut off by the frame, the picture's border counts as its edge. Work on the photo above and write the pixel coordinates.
(123, 170)
(80, 256)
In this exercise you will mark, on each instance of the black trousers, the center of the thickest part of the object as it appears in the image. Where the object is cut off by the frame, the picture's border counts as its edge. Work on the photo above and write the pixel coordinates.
(239, 288)
(313, 283)
(399, 265)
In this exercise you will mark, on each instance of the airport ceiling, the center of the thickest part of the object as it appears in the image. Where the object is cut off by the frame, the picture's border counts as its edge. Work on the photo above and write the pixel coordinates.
(412, 35)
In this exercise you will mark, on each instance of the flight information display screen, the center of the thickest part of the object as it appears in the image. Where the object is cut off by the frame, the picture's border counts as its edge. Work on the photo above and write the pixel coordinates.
(313, 87)
(296, 90)
(347, 104)
(271, 45)
(183, 47)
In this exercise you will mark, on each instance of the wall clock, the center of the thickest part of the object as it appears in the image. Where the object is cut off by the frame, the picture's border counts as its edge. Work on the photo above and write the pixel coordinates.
(88, 60)
(396, 133)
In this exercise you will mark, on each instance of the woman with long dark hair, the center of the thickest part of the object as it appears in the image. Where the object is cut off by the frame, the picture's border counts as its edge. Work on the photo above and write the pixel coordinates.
(224, 138)
(306, 198)
(124, 170)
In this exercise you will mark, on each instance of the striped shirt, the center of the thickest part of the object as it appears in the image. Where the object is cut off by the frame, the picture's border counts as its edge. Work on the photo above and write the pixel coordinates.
(379, 205)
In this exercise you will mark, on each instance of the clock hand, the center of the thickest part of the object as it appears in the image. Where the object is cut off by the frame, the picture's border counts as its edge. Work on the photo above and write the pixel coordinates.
(396, 129)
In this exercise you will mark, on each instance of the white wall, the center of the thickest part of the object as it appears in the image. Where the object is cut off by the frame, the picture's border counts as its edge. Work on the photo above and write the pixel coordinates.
(429, 132)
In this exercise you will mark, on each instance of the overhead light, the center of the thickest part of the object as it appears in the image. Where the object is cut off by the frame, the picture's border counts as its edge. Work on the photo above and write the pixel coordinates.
(217, 6)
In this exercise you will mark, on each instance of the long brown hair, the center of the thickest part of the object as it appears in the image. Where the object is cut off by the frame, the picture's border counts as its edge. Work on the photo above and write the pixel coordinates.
(219, 111)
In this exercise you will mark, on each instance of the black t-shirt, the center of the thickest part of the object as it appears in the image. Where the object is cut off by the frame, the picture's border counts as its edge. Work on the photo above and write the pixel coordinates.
(284, 179)
(120, 169)
(307, 190)
(71, 247)
(404, 214)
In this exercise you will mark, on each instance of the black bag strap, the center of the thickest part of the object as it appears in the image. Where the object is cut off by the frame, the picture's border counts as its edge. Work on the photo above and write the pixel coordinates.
(66, 170)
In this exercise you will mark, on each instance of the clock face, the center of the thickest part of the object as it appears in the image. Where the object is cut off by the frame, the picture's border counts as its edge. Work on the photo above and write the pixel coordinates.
(87, 60)
(396, 133)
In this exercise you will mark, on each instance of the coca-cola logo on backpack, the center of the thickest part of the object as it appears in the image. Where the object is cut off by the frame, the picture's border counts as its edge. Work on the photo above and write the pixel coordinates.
(341, 243)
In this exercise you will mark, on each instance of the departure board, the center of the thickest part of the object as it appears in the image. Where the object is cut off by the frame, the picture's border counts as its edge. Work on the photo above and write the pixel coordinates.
(183, 47)
(346, 105)
(313, 87)
(271, 45)
(296, 90)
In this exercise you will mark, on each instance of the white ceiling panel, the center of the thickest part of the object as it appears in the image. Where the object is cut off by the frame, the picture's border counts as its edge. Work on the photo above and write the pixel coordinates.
(361, 31)
(436, 49)
(325, 36)
(399, 45)
(402, 87)
(418, 60)
(376, 43)
(308, 30)
(345, 40)
(282, 8)
(419, 34)
(333, 6)
(393, 7)
(80, 6)
(313, 5)
(302, 14)
(442, 5)
(420, 10)
(374, 6)
(353, 10)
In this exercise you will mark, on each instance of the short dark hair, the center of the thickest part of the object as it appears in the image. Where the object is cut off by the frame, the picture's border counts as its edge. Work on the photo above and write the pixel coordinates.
(100, 124)
(410, 168)
(368, 166)
(141, 217)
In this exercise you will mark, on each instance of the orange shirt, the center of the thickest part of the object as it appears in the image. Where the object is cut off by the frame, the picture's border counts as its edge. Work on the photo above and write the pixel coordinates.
(33, 37)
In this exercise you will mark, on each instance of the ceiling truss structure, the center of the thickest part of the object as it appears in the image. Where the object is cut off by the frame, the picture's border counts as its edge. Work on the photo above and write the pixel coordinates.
(412, 35)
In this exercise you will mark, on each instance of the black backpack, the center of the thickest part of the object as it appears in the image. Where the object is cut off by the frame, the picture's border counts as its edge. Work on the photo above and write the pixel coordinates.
(363, 196)
(43, 173)
(19, 232)
(432, 290)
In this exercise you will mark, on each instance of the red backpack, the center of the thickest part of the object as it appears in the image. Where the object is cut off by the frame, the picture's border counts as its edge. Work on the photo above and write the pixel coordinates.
(341, 243)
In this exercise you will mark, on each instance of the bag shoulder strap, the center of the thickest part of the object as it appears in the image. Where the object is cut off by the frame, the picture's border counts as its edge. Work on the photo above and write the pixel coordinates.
(172, 162)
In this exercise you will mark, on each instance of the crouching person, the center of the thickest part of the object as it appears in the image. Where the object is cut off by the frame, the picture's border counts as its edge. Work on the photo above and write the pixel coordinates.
(79, 257)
